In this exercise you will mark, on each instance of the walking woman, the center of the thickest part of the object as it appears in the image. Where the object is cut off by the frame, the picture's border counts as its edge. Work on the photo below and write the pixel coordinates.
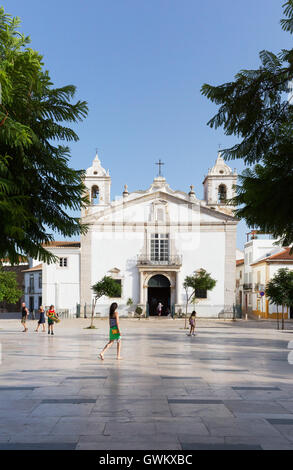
(42, 320)
(115, 334)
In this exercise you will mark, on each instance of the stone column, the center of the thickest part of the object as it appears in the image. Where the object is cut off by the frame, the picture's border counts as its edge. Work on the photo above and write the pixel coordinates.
(141, 288)
(85, 270)
(230, 269)
(178, 288)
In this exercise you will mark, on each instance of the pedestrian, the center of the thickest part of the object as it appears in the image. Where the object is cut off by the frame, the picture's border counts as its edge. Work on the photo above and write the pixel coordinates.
(159, 309)
(115, 334)
(192, 323)
(42, 320)
(52, 318)
(24, 315)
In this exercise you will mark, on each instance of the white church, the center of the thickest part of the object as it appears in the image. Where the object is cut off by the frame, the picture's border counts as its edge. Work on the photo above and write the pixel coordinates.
(148, 241)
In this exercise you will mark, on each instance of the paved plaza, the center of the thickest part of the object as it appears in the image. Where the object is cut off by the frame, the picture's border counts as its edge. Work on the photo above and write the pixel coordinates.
(230, 387)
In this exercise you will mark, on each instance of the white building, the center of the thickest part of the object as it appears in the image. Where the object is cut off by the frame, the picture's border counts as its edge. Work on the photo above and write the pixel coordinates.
(257, 247)
(56, 283)
(149, 241)
(263, 270)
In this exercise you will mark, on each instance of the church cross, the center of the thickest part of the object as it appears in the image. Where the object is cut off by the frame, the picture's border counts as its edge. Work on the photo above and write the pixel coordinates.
(160, 164)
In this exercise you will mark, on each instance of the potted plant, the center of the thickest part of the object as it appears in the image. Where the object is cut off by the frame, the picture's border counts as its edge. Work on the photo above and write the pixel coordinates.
(129, 304)
(139, 312)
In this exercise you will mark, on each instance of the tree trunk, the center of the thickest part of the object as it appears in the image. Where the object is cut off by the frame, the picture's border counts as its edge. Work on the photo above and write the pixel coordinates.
(93, 312)
(186, 308)
(283, 326)
(278, 317)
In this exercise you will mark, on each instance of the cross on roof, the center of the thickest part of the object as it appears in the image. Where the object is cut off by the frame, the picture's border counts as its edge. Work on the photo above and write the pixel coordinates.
(160, 164)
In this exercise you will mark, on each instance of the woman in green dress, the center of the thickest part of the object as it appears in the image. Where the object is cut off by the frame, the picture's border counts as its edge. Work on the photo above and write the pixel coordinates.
(115, 334)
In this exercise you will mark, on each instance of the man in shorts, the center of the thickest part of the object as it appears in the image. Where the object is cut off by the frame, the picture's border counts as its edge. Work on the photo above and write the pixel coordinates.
(24, 315)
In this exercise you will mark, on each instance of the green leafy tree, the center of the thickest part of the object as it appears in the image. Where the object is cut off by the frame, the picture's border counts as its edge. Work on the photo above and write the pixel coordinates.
(107, 287)
(279, 291)
(274, 294)
(255, 107)
(200, 280)
(37, 187)
(9, 290)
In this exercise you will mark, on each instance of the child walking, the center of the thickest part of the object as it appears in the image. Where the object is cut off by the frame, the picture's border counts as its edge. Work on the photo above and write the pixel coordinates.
(115, 334)
(52, 318)
(192, 323)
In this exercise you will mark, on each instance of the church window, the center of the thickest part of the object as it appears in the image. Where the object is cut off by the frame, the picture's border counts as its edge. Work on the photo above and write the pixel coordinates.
(200, 293)
(222, 194)
(63, 262)
(32, 283)
(160, 215)
(120, 284)
(95, 195)
(160, 247)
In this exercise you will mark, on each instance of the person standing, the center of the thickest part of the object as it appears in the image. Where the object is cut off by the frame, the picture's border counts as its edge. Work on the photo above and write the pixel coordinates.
(115, 334)
(159, 309)
(52, 317)
(192, 323)
(24, 315)
(42, 320)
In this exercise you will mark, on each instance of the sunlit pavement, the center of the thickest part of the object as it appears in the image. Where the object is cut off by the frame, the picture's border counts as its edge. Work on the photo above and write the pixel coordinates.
(229, 387)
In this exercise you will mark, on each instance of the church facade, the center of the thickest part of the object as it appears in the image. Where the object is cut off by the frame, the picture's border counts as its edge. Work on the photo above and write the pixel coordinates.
(149, 241)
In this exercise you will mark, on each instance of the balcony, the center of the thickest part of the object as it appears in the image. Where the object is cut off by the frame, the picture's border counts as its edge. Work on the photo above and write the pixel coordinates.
(247, 286)
(259, 287)
(146, 260)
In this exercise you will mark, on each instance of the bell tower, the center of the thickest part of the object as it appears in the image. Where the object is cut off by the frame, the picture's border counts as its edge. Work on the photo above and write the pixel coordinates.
(219, 186)
(98, 183)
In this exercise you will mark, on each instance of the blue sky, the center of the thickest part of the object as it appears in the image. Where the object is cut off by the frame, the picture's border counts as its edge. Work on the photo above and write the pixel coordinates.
(140, 65)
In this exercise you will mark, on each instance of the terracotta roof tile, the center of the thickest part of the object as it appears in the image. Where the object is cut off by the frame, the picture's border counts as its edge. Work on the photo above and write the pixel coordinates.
(280, 256)
(239, 262)
(283, 255)
(62, 244)
(39, 267)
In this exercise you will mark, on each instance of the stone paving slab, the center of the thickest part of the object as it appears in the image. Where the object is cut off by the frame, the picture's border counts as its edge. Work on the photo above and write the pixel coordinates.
(230, 387)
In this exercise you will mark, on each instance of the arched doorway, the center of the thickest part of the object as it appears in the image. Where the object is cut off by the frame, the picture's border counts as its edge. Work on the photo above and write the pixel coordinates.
(159, 290)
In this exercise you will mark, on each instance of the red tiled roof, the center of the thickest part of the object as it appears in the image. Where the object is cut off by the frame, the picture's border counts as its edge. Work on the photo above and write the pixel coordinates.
(39, 267)
(63, 244)
(239, 262)
(283, 255)
(21, 259)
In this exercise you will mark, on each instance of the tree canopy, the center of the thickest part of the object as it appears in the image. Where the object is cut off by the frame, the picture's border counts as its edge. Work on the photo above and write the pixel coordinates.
(9, 290)
(38, 189)
(106, 287)
(279, 290)
(200, 280)
(255, 107)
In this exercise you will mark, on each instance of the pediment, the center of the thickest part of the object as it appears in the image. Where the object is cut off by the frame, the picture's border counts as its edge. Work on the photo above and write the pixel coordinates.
(122, 209)
(114, 271)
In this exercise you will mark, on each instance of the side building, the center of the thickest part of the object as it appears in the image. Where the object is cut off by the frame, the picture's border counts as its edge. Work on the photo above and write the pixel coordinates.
(56, 283)
(263, 271)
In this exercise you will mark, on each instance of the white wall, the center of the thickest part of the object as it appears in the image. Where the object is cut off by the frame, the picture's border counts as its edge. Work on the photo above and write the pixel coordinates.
(61, 285)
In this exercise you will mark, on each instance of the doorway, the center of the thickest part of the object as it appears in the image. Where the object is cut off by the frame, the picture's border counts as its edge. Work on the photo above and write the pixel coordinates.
(159, 290)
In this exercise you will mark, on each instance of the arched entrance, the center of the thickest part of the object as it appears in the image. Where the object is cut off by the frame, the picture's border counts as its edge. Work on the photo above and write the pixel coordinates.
(159, 290)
